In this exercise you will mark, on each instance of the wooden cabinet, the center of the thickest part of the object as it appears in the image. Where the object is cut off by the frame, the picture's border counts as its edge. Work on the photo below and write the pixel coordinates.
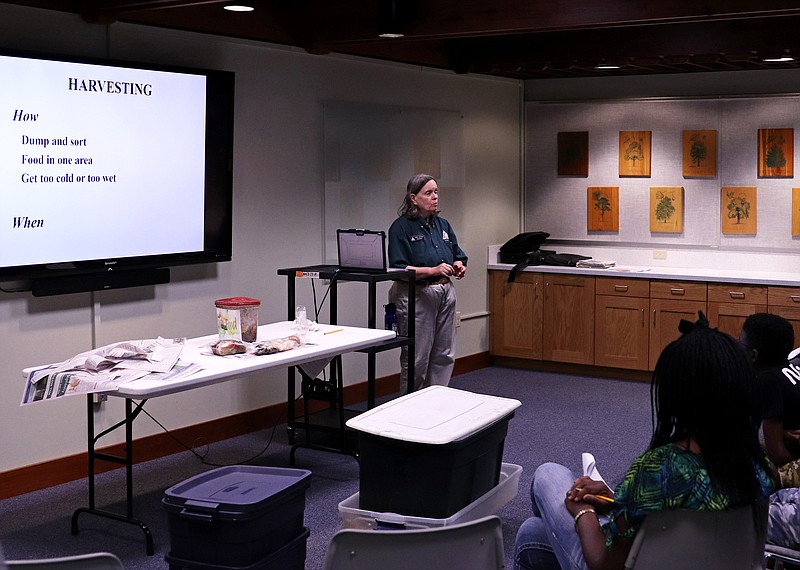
(621, 323)
(785, 301)
(568, 318)
(617, 322)
(516, 308)
(671, 301)
(730, 304)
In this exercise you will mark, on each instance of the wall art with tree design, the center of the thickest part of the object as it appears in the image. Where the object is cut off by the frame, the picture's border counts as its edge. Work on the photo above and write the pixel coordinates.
(699, 154)
(739, 210)
(634, 153)
(666, 209)
(602, 208)
(775, 153)
(573, 153)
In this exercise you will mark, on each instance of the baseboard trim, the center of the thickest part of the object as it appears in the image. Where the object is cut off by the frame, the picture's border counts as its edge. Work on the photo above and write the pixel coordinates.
(70, 468)
(570, 368)
(472, 362)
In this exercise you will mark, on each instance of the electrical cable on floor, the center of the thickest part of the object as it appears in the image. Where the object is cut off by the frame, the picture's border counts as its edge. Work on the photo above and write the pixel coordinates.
(202, 456)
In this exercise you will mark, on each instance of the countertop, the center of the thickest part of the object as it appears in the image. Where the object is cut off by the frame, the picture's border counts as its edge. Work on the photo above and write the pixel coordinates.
(776, 270)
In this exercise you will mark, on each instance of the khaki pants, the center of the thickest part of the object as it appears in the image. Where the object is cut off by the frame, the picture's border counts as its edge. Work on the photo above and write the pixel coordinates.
(435, 333)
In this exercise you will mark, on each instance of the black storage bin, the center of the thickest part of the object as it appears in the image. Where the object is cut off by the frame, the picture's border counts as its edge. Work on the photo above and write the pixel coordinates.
(290, 557)
(235, 516)
(410, 467)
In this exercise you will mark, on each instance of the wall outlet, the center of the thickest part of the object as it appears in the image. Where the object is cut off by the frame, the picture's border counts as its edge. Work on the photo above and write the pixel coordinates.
(99, 398)
(659, 254)
(458, 318)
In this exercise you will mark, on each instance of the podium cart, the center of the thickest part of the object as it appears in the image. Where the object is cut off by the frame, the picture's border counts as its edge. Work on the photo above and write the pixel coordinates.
(325, 429)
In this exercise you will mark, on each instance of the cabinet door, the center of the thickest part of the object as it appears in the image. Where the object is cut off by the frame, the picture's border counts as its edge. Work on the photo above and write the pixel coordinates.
(785, 301)
(516, 315)
(621, 332)
(568, 331)
(729, 317)
(730, 304)
(791, 314)
(665, 314)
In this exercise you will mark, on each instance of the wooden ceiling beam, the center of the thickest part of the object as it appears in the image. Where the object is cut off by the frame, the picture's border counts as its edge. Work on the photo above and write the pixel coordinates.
(653, 42)
(101, 12)
(348, 21)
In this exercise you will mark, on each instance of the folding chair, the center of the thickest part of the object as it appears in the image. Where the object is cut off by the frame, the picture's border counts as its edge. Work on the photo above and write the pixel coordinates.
(475, 545)
(691, 540)
(779, 556)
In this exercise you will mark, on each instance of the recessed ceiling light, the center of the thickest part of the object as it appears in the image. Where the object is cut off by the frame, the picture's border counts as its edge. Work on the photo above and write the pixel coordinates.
(606, 66)
(390, 19)
(777, 59)
(244, 7)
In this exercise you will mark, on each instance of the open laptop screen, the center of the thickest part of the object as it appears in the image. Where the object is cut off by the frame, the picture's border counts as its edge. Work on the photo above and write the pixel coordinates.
(361, 250)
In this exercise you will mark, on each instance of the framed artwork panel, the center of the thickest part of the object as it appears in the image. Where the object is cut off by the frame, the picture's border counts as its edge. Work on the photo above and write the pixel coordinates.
(699, 150)
(775, 153)
(795, 212)
(573, 153)
(602, 208)
(739, 210)
(634, 153)
(666, 209)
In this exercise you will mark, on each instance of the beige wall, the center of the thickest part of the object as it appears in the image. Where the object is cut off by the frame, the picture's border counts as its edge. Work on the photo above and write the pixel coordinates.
(278, 186)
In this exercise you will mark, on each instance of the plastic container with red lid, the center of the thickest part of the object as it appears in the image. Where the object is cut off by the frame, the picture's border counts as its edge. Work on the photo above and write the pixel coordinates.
(237, 318)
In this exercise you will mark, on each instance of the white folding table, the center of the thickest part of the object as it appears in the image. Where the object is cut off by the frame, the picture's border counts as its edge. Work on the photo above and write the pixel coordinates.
(322, 345)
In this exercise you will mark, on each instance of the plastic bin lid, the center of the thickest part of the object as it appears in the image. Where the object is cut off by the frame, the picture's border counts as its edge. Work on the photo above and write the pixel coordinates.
(241, 486)
(434, 415)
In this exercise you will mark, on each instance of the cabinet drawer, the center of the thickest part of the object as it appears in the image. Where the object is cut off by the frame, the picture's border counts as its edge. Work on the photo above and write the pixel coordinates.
(783, 296)
(689, 291)
(733, 293)
(622, 287)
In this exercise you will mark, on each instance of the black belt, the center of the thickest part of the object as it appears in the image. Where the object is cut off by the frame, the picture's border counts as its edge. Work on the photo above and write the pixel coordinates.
(440, 281)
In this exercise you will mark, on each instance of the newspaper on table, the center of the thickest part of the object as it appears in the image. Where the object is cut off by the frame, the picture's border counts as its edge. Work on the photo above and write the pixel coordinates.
(104, 369)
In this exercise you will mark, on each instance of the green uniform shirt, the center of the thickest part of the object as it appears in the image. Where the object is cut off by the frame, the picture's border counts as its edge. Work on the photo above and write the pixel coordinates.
(413, 241)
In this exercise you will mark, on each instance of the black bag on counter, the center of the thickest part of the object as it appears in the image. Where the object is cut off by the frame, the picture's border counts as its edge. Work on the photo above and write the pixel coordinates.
(562, 259)
(522, 250)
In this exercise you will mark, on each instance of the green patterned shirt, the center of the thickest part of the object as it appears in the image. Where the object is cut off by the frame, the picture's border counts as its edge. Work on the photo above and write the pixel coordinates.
(668, 477)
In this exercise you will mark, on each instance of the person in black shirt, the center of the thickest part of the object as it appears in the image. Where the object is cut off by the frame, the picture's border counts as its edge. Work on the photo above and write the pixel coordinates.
(769, 340)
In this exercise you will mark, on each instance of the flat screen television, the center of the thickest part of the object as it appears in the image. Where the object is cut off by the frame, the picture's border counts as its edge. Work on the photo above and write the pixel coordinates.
(111, 172)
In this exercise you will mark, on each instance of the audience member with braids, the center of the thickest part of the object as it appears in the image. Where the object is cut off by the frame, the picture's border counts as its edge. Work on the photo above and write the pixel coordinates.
(768, 340)
(704, 454)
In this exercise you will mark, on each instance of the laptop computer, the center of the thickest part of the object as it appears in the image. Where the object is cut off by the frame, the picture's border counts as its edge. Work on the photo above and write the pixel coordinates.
(361, 250)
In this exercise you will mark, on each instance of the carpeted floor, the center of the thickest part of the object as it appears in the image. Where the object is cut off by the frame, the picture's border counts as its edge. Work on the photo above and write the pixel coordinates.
(560, 417)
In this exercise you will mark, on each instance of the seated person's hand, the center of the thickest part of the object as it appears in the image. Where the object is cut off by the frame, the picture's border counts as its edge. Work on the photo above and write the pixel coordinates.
(587, 490)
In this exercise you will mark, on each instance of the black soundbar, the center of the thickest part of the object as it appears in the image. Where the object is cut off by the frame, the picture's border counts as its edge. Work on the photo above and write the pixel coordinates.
(98, 281)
